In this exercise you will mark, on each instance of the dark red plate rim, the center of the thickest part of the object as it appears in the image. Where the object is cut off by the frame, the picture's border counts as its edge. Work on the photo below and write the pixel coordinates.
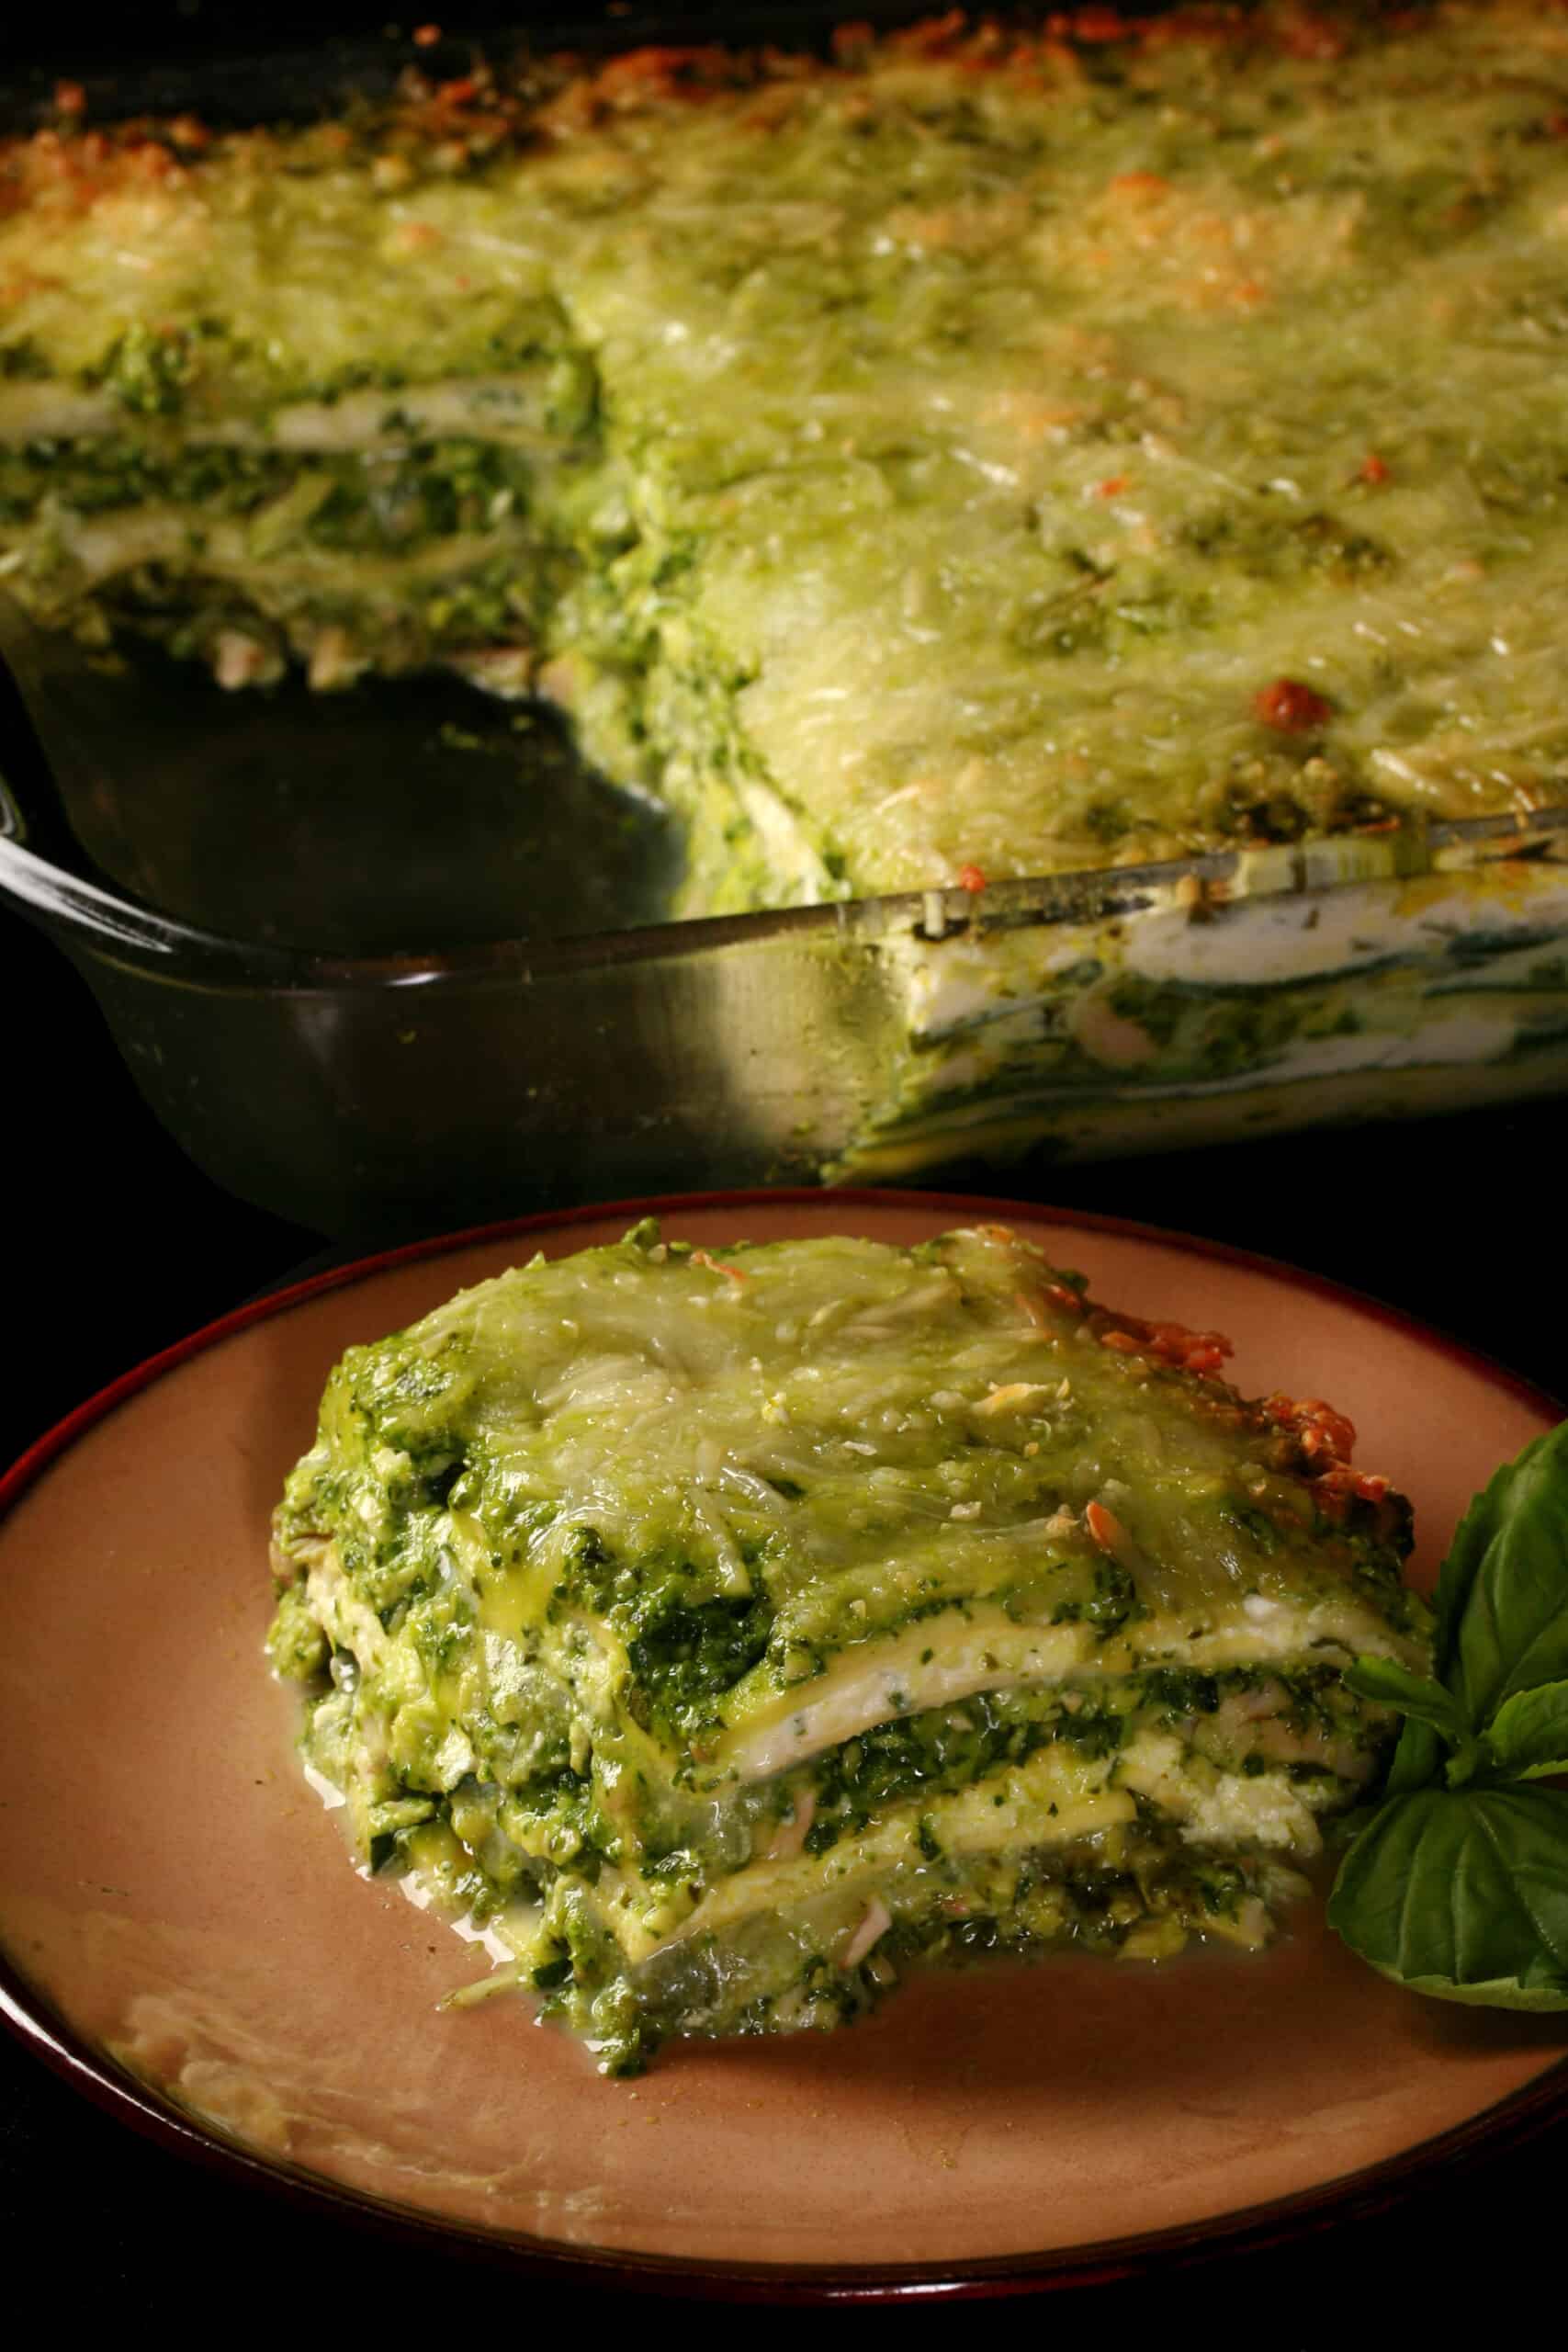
(1360, 2195)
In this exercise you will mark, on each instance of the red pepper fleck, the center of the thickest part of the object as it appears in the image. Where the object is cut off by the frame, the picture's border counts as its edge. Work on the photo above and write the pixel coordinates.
(971, 878)
(1106, 1528)
(1098, 24)
(1557, 126)
(1111, 487)
(731, 1273)
(850, 42)
(1339, 1487)
(1289, 707)
(1326, 1437)
(70, 98)
(930, 36)
(458, 93)
(1202, 1353)
(426, 36)
(1374, 469)
(1312, 39)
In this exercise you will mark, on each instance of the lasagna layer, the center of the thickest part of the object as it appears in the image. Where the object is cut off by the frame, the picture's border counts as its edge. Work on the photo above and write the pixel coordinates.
(983, 454)
(719, 1630)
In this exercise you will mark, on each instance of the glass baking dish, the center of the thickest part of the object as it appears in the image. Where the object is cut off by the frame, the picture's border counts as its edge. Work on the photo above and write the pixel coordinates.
(1133, 1008)
(404, 1054)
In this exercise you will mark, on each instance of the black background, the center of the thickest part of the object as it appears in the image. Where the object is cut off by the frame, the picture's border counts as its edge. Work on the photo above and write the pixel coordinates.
(115, 1246)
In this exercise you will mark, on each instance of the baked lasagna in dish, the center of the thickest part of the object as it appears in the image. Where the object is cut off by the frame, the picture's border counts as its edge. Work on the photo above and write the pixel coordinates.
(978, 453)
(718, 1632)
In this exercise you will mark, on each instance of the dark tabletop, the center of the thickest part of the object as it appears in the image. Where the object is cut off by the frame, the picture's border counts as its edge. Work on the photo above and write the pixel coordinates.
(118, 1246)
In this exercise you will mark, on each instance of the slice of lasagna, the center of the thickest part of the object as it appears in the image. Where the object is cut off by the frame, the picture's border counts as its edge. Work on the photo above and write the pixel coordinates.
(721, 1631)
(989, 453)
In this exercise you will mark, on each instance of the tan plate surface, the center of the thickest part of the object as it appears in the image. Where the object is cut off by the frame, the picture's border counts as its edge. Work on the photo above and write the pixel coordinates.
(175, 1891)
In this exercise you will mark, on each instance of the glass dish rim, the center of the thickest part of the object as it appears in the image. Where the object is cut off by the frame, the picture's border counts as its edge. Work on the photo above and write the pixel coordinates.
(100, 920)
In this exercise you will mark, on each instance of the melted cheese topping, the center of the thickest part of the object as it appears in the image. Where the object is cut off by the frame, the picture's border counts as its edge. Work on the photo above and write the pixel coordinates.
(991, 455)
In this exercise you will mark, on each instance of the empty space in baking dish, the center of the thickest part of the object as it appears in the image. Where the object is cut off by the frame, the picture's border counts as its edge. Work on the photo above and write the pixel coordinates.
(409, 816)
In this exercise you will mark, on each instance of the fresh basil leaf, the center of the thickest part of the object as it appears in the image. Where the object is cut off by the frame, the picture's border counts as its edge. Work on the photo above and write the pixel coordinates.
(1421, 1702)
(1528, 1737)
(1417, 1760)
(1463, 1893)
(1393, 1685)
(1502, 1598)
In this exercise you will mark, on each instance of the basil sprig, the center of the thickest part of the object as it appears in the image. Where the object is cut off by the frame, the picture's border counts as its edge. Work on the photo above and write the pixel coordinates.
(1457, 1885)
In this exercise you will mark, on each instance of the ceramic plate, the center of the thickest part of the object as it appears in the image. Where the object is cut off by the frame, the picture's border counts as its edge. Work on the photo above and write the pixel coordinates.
(186, 1937)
